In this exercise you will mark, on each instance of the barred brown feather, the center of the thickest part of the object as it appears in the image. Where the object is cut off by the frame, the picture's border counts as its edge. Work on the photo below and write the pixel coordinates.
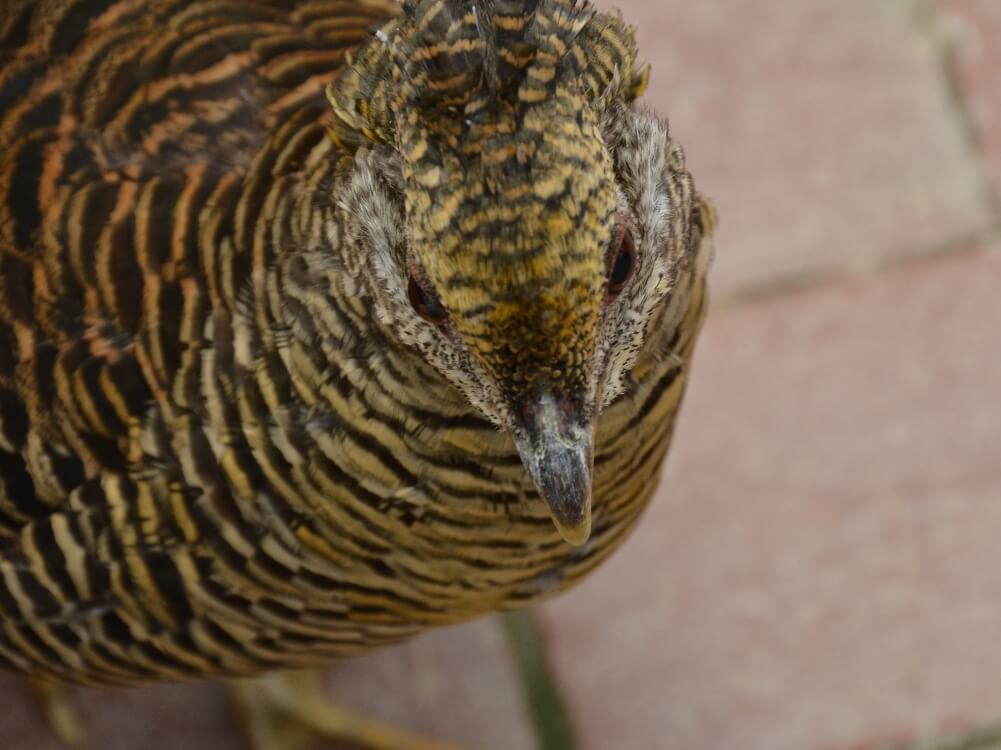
(227, 442)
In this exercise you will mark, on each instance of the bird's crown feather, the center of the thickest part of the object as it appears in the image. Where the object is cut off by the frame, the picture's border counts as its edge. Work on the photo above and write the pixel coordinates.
(465, 56)
(495, 108)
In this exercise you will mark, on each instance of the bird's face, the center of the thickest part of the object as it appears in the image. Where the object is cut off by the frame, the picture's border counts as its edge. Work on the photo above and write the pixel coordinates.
(523, 249)
(535, 307)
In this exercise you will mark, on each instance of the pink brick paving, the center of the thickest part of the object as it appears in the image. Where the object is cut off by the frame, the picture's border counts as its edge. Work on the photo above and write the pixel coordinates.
(825, 132)
(821, 570)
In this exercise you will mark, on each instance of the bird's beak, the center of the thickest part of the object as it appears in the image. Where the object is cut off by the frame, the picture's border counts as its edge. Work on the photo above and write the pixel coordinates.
(556, 446)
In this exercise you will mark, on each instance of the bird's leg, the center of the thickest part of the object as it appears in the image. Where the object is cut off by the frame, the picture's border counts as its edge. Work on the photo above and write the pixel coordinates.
(284, 711)
(60, 713)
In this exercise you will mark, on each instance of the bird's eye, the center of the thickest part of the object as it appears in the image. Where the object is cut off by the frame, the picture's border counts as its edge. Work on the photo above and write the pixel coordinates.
(426, 303)
(621, 262)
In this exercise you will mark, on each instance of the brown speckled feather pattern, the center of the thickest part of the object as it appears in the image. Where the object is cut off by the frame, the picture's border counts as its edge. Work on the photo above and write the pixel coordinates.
(214, 460)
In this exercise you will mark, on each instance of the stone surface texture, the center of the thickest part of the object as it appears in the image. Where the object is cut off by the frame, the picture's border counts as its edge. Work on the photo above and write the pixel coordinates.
(821, 569)
(825, 132)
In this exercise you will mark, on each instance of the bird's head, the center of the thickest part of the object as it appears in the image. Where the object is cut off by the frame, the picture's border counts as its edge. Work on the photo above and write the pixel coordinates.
(523, 221)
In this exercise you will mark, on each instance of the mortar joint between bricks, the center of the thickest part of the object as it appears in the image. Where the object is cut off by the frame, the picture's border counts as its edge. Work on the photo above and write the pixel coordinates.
(944, 38)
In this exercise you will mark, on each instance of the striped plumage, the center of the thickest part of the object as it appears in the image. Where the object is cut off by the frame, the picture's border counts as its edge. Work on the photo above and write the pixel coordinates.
(228, 442)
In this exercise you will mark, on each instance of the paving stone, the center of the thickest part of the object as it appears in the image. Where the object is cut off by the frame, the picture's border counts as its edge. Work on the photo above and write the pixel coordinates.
(456, 684)
(824, 131)
(821, 569)
(977, 29)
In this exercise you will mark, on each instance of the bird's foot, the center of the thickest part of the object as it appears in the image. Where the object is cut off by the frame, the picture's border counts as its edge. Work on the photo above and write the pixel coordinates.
(286, 711)
(59, 710)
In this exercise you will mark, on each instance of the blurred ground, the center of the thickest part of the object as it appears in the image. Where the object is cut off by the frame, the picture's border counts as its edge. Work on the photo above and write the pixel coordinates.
(821, 570)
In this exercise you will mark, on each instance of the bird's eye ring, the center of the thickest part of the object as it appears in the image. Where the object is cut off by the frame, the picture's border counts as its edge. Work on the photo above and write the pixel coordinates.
(425, 302)
(621, 262)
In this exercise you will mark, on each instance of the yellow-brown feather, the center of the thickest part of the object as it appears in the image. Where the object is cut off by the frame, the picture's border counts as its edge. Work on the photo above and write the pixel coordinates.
(214, 459)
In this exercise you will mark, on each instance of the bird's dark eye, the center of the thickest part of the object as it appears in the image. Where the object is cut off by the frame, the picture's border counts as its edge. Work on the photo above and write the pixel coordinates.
(621, 262)
(425, 303)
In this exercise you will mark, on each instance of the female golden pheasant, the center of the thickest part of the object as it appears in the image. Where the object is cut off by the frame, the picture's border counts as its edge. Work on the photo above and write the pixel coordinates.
(301, 355)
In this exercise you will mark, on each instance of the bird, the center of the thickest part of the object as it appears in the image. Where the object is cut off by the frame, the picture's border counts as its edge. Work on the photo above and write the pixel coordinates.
(324, 322)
